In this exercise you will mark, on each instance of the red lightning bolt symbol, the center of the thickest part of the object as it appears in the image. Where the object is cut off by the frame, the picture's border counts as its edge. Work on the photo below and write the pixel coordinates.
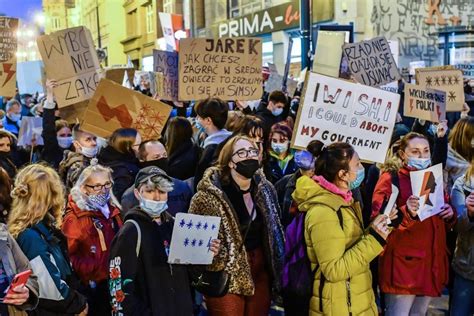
(10, 73)
(411, 105)
(438, 110)
(120, 112)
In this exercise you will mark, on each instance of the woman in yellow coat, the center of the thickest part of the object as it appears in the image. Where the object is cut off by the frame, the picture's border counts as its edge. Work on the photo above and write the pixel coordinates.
(338, 246)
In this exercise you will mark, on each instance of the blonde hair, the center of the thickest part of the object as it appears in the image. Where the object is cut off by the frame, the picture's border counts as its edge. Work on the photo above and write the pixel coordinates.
(37, 192)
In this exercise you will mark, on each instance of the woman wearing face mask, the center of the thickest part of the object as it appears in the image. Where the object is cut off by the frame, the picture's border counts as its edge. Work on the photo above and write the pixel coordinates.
(280, 161)
(338, 246)
(120, 155)
(414, 266)
(91, 221)
(251, 233)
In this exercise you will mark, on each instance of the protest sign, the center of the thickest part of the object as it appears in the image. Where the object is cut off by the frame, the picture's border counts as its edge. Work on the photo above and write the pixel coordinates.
(424, 104)
(30, 76)
(334, 110)
(8, 46)
(427, 184)
(226, 68)
(274, 81)
(327, 58)
(117, 75)
(414, 65)
(31, 128)
(70, 58)
(73, 114)
(371, 62)
(466, 67)
(114, 106)
(391, 202)
(449, 81)
(166, 63)
(191, 240)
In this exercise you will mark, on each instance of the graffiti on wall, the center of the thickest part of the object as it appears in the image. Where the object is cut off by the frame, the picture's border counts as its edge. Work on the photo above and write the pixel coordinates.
(413, 22)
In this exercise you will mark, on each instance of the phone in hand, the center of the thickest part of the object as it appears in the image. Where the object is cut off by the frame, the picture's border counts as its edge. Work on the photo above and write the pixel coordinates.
(19, 280)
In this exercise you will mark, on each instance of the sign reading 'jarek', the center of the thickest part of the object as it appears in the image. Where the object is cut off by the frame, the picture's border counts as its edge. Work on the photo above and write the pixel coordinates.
(114, 106)
(70, 58)
(424, 104)
(335, 110)
(227, 68)
(8, 44)
(166, 63)
(449, 81)
(371, 62)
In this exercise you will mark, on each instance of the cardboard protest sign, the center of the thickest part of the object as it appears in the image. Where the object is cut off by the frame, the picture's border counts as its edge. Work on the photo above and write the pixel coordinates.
(30, 76)
(428, 186)
(166, 63)
(424, 104)
(117, 74)
(371, 62)
(114, 106)
(74, 113)
(449, 81)
(226, 68)
(31, 128)
(8, 46)
(327, 58)
(70, 58)
(191, 240)
(334, 110)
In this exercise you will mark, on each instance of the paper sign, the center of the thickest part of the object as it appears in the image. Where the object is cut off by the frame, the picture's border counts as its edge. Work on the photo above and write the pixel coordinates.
(226, 68)
(334, 110)
(466, 67)
(166, 63)
(70, 58)
(31, 128)
(428, 186)
(327, 59)
(114, 106)
(371, 62)
(391, 202)
(73, 114)
(424, 104)
(414, 65)
(449, 81)
(118, 74)
(274, 81)
(8, 46)
(30, 76)
(191, 240)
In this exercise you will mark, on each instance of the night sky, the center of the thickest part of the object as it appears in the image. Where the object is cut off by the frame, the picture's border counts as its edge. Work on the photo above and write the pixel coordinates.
(24, 9)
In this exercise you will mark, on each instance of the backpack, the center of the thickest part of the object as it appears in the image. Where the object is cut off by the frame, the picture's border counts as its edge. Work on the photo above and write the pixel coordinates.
(297, 277)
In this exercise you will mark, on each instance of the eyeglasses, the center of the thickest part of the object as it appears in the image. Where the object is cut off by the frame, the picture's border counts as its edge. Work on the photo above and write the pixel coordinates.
(244, 153)
(99, 187)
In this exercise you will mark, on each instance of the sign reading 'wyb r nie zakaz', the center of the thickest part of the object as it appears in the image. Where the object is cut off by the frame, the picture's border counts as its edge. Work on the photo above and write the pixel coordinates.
(226, 68)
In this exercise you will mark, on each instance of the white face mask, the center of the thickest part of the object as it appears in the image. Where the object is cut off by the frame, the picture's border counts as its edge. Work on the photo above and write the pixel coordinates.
(65, 142)
(153, 208)
(14, 117)
(89, 152)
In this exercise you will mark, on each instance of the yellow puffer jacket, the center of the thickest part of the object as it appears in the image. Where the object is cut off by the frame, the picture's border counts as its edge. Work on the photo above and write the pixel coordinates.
(342, 255)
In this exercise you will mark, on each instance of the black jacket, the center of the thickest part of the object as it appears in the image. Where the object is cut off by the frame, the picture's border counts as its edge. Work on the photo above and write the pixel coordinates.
(6, 162)
(182, 163)
(285, 188)
(147, 284)
(272, 169)
(125, 167)
(52, 153)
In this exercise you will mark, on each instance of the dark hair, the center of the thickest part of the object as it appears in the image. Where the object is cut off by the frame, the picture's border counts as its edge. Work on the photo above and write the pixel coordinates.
(215, 109)
(281, 128)
(179, 130)
(331, 159)
(5, 198)
(60, 124)
(278, 96)
(122, 140)
(226, 154)
(407, 138)
(249, 124)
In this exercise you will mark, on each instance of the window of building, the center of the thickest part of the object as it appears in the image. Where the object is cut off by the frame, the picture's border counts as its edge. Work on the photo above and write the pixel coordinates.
(132, 23)
(168, 6)
(149, 18)
(55, 23)
(243, 7)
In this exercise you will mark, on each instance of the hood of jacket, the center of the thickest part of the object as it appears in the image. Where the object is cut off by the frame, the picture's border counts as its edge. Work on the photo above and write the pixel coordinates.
(108, 155)
(309, 193)
(217, 138)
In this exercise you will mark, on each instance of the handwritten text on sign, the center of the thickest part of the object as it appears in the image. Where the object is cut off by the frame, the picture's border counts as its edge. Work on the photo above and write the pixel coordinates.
(70, 58)
(335, 110)
(8, 45)
(424, 104)
(371, 62)
(166, 63)
(227, 68)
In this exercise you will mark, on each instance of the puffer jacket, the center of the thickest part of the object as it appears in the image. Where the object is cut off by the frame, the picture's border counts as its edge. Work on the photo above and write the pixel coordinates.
(463, 262)
(212, 201)
(341, 256)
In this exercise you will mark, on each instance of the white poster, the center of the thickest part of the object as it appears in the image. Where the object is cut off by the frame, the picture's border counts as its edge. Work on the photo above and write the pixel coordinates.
(428, 186)
(191, 240)
(30, 76)
(335, 110)
(31, 128)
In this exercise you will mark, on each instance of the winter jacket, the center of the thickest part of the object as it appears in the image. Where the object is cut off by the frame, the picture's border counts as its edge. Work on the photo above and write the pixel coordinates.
(178, 199)
(146, 284)
(463, 262)
(11, 126)
(285, 188)
(455, 167)
(71, 167)
(52, 153)
(182, 162)
(211, 200)
(125, 168)
(6, 162)
(49, 262)
(89, 236)
(274, 172)
(415, 260)
(14, 261)
(341, 255)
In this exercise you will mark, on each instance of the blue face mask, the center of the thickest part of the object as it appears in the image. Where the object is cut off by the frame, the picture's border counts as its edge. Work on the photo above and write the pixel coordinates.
(419, 163)
(279, 148)
(99, 200)
(277, 111)
(153, 208)
(199, 126)
(358, 180)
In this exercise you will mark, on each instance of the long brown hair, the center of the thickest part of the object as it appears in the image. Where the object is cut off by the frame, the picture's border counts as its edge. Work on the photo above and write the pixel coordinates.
(225, 156)
(461, 138)
(122, 140)
(179, 130)
(5, 189)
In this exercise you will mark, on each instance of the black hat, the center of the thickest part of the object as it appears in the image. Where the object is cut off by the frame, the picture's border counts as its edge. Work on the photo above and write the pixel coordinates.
(147, 173)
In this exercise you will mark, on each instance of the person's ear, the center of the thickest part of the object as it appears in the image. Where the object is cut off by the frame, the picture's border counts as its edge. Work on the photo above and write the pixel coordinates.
(343, 175)
(137, 194)
(231, 165)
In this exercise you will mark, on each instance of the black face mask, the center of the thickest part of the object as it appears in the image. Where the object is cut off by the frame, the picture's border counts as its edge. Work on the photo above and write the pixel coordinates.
(161, 163)
(5, 154)
(247, 168)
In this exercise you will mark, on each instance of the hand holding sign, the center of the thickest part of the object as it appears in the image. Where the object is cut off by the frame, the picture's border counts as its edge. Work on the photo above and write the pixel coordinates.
(427, 185)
